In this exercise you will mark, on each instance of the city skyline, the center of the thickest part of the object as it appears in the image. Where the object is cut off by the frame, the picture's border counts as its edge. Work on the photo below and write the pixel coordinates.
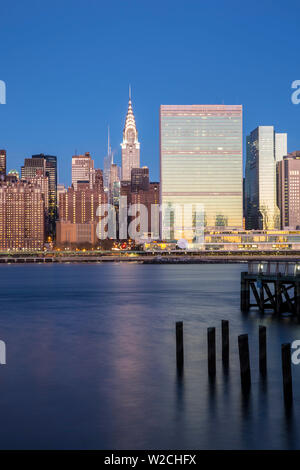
(64, 101)
(99, 162)
(201, 164)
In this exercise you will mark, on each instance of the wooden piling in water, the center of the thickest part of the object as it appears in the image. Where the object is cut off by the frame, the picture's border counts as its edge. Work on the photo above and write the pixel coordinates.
(287, 373)
(263, 350)
(244, 362)
(211, 351)
(297, 300)
(225, 342)
(245, 293)
(261, 295)
(179, 344)
(277, 296)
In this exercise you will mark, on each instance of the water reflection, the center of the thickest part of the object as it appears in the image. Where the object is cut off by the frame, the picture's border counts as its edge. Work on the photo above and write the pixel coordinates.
(179, 390)
(92, 360)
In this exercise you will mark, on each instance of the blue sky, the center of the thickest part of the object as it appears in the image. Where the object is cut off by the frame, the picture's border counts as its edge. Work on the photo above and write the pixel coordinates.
(67, 66)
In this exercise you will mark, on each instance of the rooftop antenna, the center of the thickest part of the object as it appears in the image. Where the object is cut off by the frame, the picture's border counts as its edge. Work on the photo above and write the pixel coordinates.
(129, 92)
(108, 141)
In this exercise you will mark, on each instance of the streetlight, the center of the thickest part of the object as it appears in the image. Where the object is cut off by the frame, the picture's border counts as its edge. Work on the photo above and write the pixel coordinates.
(297, 269)
(260, 268)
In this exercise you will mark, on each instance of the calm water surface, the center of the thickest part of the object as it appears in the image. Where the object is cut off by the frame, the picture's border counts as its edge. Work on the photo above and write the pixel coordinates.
(91, 360)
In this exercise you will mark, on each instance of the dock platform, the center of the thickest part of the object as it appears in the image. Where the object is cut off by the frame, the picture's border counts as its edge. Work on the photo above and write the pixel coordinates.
(272, 286)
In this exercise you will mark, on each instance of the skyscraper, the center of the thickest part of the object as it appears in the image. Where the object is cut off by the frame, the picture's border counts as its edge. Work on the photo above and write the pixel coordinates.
(280, 146)
(47, 165)
(108, 160)
(114, 176)
(140, 179)
(288, 191)
(201, 164)
(130, 145)
(21, 216)
(83, 169)
(98, 179)
(31, 165)
(78, 212)
(148, 196)
(51, 172)
(61, 189)
(264, 148)
(2, 164)
(80, 206)
(41, 181)
(12, 176)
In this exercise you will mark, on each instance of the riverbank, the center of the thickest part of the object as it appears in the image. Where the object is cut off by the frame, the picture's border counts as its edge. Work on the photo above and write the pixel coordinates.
(148, 258)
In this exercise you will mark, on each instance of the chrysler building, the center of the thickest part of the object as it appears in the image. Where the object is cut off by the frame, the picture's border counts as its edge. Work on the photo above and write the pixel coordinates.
(130, 145)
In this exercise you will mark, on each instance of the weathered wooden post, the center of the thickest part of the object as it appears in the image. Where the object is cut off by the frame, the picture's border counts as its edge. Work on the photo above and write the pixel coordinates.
(245, 294)
(277, 296)
(225, 342)
(211, 351)
(263, 350)
(244, 362)
(179, 344)
(287, 373)
(297, 300)
(261, 295)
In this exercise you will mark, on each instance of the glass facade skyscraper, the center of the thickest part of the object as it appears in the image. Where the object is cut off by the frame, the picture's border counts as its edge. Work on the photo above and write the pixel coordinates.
(280, 146)
(47, 165)
(201, 162)
(264, 149)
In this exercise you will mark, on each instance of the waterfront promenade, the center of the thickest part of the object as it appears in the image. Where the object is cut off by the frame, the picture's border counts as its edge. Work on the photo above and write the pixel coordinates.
(174, 257)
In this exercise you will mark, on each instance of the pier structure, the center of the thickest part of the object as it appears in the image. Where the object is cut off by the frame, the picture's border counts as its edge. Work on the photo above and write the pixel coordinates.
(272, 285)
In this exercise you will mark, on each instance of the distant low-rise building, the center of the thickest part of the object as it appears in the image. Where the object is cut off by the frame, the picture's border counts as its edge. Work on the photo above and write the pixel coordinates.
(76, 234)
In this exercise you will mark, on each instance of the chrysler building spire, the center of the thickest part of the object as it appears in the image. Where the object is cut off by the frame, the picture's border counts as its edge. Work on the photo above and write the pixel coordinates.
(130, 145)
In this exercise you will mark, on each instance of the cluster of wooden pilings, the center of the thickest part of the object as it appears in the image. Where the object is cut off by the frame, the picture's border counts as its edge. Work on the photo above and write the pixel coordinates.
(244, 357)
